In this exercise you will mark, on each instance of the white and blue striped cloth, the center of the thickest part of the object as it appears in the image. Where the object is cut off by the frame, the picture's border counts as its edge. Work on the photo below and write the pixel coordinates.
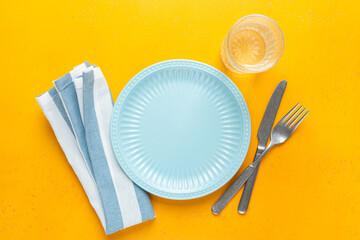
(79, 110)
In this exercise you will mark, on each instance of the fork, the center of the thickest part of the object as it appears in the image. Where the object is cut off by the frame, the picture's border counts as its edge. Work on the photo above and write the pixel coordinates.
(281, 132)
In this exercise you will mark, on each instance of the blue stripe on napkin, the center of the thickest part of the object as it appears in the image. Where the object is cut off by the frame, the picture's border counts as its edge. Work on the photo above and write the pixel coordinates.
(101, 169)
(66, 89)
(55, 97)
(146, 208)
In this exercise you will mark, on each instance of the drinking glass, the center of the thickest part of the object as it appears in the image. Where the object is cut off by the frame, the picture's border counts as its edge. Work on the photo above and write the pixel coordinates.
(254, 44)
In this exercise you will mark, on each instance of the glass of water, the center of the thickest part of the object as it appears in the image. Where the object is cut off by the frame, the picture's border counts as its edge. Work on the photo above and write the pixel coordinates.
(254, 44)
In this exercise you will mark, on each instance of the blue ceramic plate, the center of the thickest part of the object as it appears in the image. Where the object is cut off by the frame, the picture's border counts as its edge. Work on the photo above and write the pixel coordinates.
(180, 129)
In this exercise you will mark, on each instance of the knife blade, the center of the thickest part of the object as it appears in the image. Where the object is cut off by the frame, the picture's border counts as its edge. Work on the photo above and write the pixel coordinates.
(263, 136)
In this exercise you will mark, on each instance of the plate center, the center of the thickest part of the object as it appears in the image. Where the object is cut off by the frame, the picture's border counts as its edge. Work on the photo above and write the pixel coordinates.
(180, 127)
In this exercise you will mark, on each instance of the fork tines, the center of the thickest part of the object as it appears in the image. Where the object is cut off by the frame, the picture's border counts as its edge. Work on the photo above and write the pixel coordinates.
(294, 124)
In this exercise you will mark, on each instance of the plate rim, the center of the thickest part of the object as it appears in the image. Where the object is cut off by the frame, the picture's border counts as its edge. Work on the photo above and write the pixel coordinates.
(199, 66)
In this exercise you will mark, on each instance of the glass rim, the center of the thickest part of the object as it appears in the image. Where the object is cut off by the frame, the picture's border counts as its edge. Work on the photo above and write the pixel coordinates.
(245, 68)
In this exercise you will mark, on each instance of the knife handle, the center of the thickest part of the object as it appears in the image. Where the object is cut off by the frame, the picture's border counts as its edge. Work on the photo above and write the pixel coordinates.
(246, 195)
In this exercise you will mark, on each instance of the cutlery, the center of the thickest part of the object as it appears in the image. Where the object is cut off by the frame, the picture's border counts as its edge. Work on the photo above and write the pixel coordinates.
(263, 136)
(281, 132)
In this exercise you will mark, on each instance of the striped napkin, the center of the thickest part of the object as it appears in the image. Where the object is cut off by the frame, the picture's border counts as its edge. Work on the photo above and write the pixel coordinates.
(79, 110)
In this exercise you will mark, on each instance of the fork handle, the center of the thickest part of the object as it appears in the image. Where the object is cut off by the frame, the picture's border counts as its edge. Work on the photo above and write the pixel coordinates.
(239, 182)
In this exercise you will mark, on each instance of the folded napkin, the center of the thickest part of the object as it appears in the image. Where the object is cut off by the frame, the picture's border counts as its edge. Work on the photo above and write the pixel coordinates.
(79, 110)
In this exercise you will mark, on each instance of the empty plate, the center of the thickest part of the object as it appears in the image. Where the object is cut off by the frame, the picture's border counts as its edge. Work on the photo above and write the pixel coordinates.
(180, 129)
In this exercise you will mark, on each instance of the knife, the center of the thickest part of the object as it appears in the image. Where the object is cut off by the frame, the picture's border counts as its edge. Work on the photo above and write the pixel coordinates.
(263, 136)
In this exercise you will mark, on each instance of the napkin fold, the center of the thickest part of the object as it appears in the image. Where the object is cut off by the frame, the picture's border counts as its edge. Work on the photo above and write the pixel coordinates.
(79, 111)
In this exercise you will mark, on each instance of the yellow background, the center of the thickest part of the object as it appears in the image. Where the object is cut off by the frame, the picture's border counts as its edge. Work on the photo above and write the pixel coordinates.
(308, 188)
